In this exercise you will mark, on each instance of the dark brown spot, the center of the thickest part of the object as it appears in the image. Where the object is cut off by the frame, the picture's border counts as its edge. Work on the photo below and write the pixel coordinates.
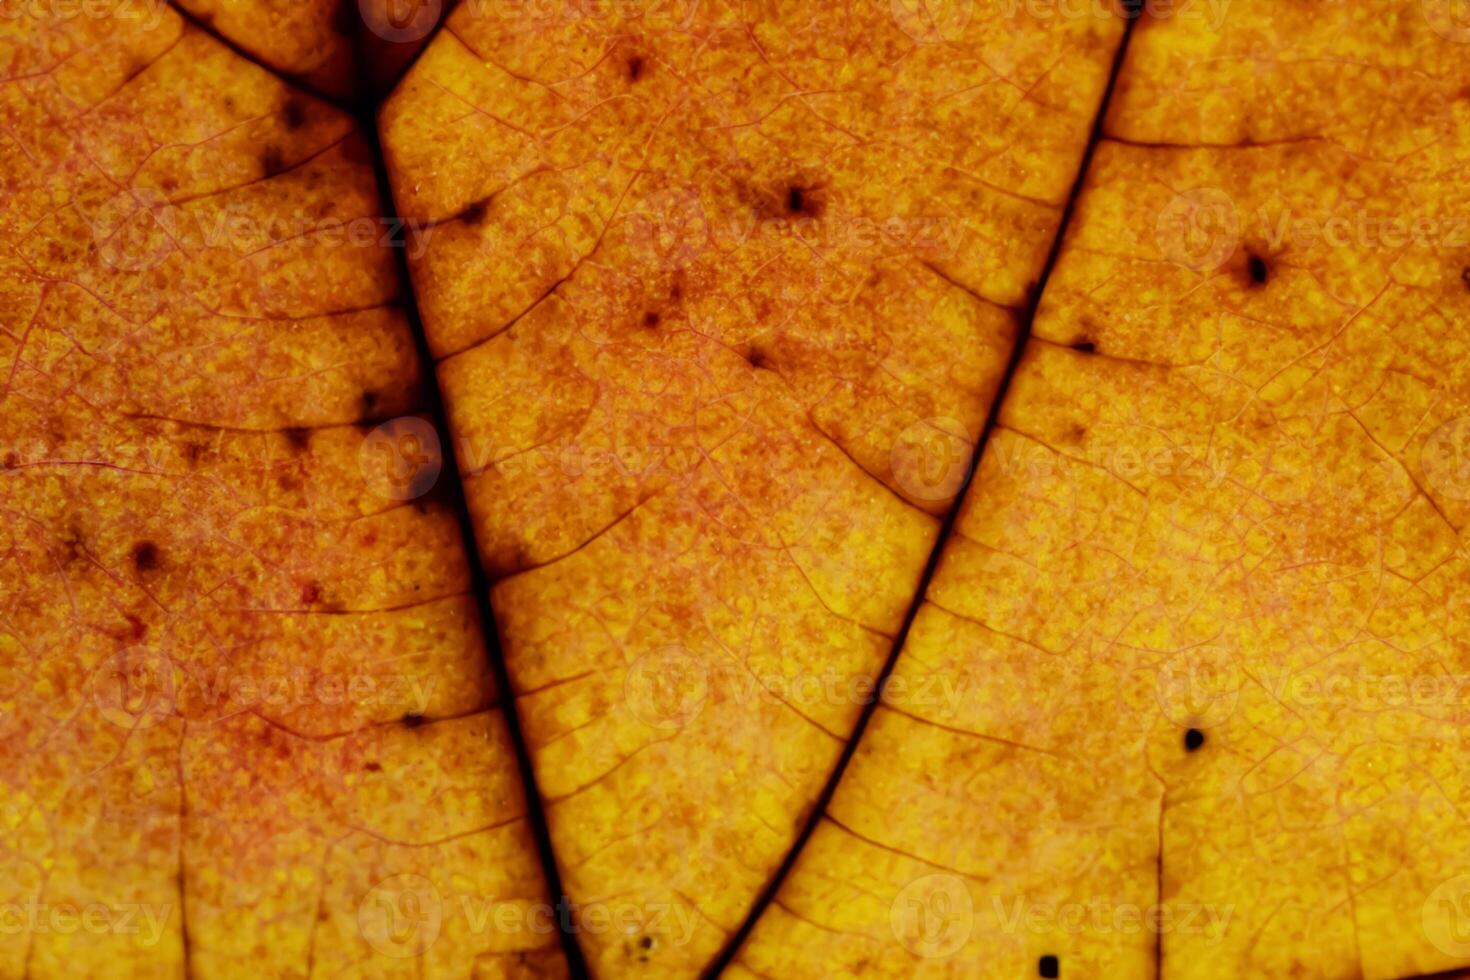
(676, 291)
(193, 451)
(271, 161)
(413, 719)
(311, 593)
(1256, 266)
(11, 459)
(367, 403)
(137, 629)
(758, 358)
(372, 767)
(650, 319)
(635, 68)
(1084, 345)
(73, 543)
(804, 200)
(298, 437)
(474, 213)
(145, 556)
(293, 114)
(1465, 276)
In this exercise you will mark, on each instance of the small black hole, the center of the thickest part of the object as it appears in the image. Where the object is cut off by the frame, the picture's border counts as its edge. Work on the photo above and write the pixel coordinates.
(1193, 739)
(1049, 967)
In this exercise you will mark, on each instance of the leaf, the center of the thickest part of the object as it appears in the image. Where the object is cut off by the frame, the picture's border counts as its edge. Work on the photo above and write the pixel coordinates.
(723, 304)
(1204, 607)
(700, 310)
(246, 713)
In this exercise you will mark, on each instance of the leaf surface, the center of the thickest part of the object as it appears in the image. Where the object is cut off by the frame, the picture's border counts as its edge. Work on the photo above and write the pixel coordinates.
(1205, 601)
(722, 303)
(706, 288)
(246, 715)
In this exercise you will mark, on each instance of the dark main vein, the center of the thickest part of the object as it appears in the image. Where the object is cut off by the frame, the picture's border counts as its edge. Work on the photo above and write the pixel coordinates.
(1018, 350)
(452, 490)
